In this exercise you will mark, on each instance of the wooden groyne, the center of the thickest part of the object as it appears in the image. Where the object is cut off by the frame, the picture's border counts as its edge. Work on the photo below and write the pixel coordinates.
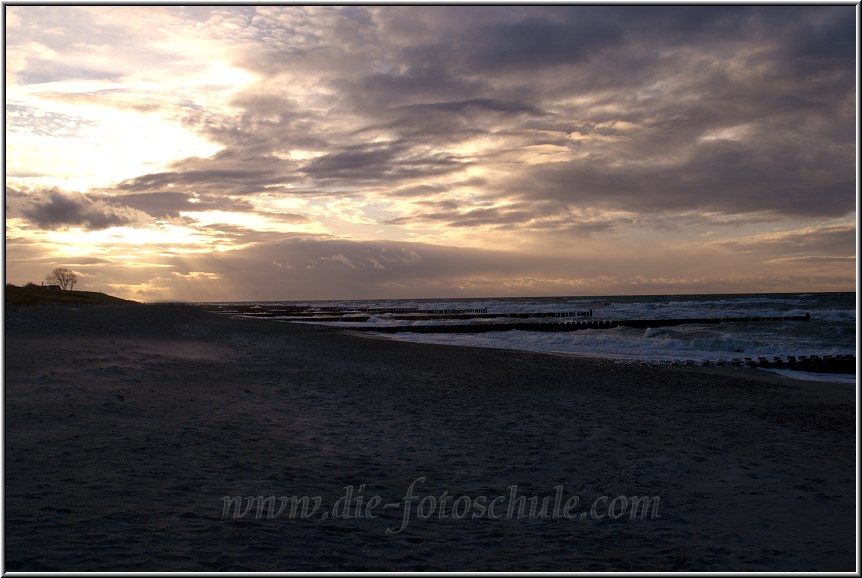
(478, 311)
(358, 315)
(569, 320)
(539, 315)
(576, 325)
(812, 363)
(645, 323)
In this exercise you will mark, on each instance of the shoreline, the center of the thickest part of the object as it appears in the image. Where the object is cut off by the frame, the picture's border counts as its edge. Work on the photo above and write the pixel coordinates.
(755, 374)
(127, 425)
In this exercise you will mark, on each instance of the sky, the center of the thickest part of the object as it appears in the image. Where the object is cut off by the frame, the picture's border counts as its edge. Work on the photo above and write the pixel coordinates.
(219, 153)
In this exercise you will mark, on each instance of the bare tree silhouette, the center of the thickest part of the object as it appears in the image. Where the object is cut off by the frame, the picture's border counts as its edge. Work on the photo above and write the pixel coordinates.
(65, 278)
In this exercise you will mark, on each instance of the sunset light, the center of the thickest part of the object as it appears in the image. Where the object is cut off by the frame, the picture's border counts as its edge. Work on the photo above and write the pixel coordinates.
(586, 149)
(428, 288)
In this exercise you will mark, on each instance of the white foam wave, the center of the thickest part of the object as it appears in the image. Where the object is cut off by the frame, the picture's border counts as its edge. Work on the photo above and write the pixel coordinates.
(830, 332)
(844, 378)
(654, 344)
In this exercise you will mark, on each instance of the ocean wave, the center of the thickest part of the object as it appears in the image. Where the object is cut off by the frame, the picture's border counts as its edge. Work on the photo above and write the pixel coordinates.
(830, 332)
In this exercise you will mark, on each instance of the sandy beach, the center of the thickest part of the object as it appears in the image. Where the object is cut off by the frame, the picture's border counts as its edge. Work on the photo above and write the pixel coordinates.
(127, 426)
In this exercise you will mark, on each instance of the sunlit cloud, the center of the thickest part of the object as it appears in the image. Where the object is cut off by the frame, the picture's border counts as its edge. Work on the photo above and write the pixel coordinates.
(531, 149)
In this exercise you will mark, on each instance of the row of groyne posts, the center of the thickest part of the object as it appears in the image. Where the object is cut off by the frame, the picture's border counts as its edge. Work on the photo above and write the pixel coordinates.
(362, 314)
(569, 321)
(571, 325)
(812, 363)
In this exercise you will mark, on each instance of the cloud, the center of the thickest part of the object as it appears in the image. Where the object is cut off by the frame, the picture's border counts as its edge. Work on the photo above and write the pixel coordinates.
(561, 130)
(391, 162)
(53, 209)
(282, 266)
(471, 107)
(563, 38)
(331, 268)
(813, 259)
(648, 114)
(785, 179)
(829, 240)
(339, 258)
(229, 181)
(170, 204)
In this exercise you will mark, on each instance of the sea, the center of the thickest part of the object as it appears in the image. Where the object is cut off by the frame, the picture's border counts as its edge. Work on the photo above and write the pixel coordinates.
(831, 330)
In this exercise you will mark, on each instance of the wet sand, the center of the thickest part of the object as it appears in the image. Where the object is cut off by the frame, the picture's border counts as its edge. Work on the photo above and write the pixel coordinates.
(127, 425)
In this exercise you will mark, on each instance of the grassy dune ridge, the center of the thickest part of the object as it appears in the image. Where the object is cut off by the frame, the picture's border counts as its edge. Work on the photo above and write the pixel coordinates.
(35, 295)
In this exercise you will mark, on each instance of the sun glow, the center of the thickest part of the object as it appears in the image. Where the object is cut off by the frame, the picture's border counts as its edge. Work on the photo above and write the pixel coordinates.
(126, 242)
(79, 133)
(99, 155)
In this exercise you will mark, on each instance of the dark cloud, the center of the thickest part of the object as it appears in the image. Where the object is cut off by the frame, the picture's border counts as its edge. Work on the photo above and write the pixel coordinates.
(681, 80)
(471, 106)
(52, 209)
(390, 162)
(321, 269)
(565, 37)
(170, 204)
(413, 82)
(230, 181)
(520, 118)
(815, 260)
(358, 162)
(420, 190)
(826, 34)
(307, 267)
(442, 124)
(450, 214)
(830, 240)
(613, 134)
(549, 219)
(782, 177)
(227, 175)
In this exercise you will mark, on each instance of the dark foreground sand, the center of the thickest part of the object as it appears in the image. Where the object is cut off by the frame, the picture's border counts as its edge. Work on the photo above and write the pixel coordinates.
(127, 425)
